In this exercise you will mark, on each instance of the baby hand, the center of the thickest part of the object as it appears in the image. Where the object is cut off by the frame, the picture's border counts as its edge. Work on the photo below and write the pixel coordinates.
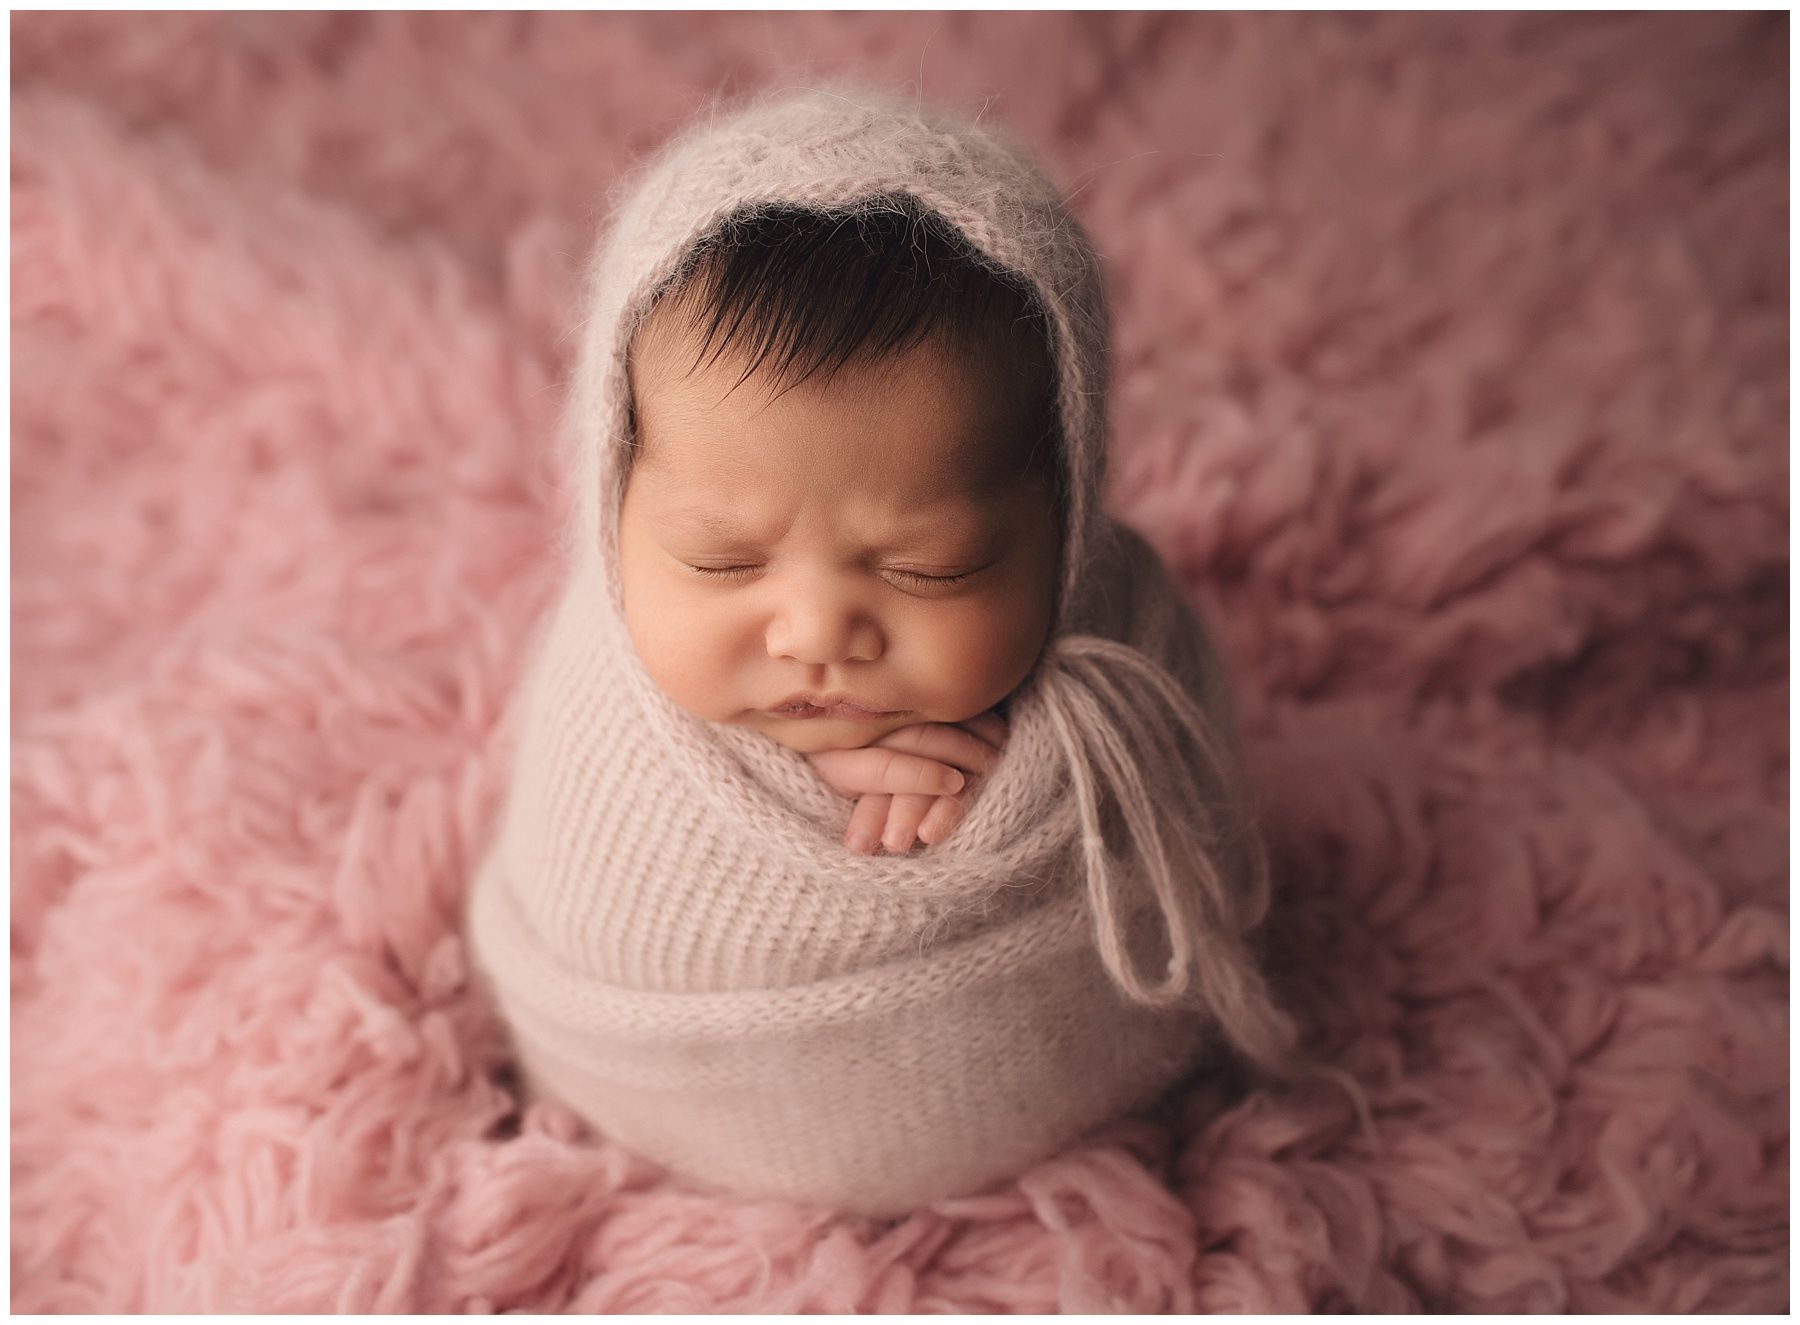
(912, 783)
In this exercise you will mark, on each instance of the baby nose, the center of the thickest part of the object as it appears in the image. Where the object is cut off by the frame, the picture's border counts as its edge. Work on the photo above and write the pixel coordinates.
(818, 633)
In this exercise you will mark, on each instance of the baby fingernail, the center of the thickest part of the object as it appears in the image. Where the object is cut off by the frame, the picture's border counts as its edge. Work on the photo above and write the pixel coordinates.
(859, 843)
(952, 781)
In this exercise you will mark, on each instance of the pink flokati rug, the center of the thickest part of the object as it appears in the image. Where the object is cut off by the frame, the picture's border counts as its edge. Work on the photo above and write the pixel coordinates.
(1451, 380)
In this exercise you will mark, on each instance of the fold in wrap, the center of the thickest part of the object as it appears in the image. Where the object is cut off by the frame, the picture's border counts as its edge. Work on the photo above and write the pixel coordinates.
(686, 953)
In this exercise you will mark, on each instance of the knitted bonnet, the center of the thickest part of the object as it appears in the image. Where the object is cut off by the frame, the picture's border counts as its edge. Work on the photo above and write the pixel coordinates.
(685, 952)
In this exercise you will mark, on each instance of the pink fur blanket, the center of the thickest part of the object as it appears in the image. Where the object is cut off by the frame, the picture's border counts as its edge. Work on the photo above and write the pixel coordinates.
(1451, 382)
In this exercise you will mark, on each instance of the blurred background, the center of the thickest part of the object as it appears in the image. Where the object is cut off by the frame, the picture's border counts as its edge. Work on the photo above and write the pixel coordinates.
(1450, 380)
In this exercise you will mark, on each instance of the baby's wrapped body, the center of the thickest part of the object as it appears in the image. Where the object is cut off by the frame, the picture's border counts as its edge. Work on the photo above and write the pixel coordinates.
(685, 951)
(690, 958)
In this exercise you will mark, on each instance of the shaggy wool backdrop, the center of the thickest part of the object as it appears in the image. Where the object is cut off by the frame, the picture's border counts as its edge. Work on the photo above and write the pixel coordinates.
(1451, 382)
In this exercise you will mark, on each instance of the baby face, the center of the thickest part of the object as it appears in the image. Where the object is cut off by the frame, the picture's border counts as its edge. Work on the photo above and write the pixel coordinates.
(830, 563)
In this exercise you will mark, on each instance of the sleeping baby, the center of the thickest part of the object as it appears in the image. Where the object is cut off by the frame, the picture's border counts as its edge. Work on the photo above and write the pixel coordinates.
(839, 526)
(875, 826)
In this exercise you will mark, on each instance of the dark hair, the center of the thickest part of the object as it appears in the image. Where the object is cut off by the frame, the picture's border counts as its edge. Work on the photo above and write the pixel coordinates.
(802, 292)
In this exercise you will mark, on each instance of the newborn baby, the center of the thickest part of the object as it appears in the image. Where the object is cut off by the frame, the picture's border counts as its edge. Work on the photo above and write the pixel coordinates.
(838, 579)
(840, 528)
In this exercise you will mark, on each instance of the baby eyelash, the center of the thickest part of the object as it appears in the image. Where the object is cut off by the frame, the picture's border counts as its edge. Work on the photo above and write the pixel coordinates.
(919, 577)
(911, 576)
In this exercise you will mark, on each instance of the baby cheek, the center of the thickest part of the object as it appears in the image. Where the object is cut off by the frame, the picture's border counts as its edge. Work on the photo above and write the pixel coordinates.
(680, 647)
(979, 655)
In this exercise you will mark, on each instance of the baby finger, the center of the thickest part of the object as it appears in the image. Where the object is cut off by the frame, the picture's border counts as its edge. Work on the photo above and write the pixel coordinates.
(903, 822)
(872, 768)
(946, 812)
(946, 743)
(866, 822)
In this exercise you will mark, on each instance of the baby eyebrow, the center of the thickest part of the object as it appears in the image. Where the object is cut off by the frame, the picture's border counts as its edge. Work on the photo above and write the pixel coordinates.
(701, 519)
(695, 517)
(710, 521)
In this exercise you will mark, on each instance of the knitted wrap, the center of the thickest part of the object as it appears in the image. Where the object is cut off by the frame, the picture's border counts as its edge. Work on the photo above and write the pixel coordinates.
(685, 952)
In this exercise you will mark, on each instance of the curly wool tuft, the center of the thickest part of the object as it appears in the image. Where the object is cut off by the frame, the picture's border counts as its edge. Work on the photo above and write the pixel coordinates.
(1452, 378)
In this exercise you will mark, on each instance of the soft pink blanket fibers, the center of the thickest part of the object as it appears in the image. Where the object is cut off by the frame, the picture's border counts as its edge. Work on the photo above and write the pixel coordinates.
(1450, 381)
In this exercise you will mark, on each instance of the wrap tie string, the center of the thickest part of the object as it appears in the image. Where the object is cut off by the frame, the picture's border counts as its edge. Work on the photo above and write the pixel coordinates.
(1119, 717)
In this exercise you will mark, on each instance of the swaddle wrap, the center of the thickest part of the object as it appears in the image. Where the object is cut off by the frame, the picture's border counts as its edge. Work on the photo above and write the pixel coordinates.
(684, 950)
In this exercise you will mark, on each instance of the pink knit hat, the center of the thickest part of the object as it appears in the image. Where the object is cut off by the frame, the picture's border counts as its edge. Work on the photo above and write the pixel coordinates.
(841, 150)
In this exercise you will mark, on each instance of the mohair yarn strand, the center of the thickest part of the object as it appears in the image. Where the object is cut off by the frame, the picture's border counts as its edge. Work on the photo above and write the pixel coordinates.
(684, 950)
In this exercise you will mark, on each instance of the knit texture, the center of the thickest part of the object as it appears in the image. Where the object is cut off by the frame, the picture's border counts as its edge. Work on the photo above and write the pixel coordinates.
(1450, 380)
(686, 953)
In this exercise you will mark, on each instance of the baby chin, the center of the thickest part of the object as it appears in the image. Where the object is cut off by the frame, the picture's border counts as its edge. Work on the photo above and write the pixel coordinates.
(812, 735)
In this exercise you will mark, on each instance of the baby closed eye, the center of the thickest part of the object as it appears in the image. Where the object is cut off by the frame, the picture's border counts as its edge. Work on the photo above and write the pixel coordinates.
(896, 574)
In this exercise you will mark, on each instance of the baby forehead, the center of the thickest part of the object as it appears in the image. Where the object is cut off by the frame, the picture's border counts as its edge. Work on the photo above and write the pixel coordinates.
(926, 409)
(767, 519)
(876, 476)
